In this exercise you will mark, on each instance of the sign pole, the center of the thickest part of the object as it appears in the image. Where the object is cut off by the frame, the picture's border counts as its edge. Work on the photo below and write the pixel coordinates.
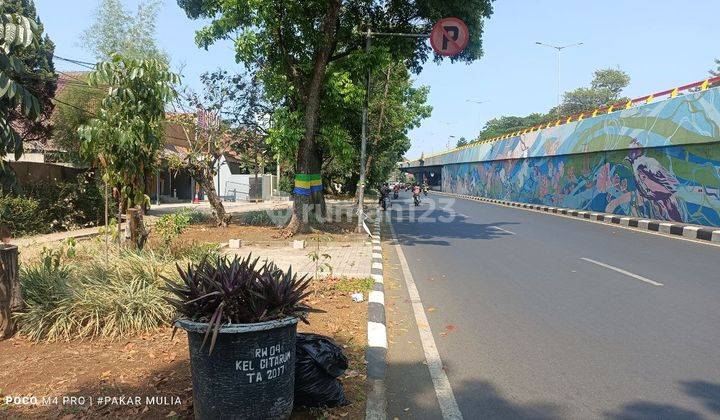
(363, 138)
(449, 37)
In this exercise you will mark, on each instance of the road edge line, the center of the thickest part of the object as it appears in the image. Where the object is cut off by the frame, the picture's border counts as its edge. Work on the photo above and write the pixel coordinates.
(376, 353)
(441, 383)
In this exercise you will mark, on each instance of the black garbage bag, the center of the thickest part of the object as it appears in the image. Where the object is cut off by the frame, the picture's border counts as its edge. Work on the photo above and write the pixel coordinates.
(318, 364)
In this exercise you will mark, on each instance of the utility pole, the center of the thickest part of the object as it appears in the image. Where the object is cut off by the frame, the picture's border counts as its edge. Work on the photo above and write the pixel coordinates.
(364, 133)
(559, 49)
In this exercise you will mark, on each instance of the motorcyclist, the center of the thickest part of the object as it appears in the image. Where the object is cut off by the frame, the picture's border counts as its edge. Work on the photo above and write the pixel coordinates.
(416, 194)
(384, 191)
(396, 191)
(425, 188)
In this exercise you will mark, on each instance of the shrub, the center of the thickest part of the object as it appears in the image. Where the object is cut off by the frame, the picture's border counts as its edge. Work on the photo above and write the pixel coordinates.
(222, 291)
(73, 293)
(46, 206)
(257, 218)
(23, 216)
(170, 226)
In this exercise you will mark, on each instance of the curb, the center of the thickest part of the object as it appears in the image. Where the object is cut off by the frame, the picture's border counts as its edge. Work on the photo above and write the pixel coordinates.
(376, 354)
(673, 228)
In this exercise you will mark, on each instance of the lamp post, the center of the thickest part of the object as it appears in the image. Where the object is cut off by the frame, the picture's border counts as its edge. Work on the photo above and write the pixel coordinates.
(559, 49)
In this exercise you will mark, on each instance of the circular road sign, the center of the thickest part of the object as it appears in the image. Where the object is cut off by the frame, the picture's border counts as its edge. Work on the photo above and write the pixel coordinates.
(449, 36)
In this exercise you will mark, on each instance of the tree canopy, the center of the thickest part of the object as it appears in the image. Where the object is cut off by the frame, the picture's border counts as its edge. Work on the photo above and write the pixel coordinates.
(37, 75)
(127, 133)
(605, 89)
(18, 33)
(117, 30)
(300, 51)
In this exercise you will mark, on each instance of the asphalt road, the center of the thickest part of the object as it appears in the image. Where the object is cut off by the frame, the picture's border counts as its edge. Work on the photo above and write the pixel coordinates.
(539, 316)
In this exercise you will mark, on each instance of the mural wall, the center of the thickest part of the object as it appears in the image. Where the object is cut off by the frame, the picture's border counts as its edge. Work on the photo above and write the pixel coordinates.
(676, 183)
(688, 119)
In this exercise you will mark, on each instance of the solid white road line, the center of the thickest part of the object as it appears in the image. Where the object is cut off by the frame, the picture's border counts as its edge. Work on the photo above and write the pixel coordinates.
(501, 229)
(443, 390)
(620, 270)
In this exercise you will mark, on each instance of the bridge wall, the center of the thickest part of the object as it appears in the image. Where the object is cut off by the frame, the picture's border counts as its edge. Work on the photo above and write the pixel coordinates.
(659, 161)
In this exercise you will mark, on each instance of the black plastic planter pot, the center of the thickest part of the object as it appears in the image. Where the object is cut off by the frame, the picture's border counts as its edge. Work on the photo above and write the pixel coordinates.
(250, 373)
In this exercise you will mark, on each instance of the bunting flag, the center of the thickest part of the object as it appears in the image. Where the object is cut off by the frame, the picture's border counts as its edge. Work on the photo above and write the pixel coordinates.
(307, 184)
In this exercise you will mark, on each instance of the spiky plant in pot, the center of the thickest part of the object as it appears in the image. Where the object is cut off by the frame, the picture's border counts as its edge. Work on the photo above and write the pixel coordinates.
(221, 291)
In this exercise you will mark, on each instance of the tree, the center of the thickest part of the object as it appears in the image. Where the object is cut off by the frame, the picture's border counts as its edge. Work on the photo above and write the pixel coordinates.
(461, 142)
(18, 33)
(126, 135)
(77, 103)
(294, 46)
(119, 31)
(508, 124)
(395, 107)
(716, 72)
(38, 77)
(605, 89)
(200, 117)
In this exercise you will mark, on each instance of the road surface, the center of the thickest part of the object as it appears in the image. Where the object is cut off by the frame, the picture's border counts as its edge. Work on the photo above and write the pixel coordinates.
(540, 316)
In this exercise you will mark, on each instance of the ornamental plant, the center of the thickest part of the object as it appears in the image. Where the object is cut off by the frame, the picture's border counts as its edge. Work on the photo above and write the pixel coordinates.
(238, 291)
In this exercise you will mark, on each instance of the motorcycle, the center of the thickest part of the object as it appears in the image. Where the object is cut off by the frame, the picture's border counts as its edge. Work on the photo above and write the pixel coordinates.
(383, 202)
(395, 195)
(417, 200)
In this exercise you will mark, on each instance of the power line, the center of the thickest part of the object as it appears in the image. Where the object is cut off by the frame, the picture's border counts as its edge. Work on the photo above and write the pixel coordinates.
(80, 63)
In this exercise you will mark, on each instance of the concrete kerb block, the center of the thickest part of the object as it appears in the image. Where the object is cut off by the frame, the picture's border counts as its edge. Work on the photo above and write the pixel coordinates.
(690, 231)
(376, 353)
(715, 236)
(665, 227)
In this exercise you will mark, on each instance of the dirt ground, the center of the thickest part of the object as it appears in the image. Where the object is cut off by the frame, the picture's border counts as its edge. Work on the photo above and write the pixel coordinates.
(154, 365)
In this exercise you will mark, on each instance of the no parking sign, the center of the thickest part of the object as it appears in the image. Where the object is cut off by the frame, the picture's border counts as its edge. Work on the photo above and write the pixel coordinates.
(449, 36)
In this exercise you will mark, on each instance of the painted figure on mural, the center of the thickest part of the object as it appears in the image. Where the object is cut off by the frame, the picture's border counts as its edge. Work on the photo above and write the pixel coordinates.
(656, 184)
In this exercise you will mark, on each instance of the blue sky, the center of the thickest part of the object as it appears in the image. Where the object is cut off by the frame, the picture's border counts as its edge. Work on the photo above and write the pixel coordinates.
(659, 43)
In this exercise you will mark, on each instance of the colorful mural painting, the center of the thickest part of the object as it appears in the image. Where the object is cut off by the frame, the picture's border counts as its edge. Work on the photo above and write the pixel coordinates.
(678, 183)
(658, 161)
(688, 119)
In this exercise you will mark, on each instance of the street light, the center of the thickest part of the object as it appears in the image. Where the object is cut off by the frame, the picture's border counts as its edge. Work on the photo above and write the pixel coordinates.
(475, 102)
(558, 48)
(448, 142)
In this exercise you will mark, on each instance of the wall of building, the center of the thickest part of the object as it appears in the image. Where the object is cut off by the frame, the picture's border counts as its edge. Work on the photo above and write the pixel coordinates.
(677, 183)
(659, 161)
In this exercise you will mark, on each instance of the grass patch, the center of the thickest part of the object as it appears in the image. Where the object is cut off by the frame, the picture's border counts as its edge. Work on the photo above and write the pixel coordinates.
(74, 292)
(256, 218)
(350, 285)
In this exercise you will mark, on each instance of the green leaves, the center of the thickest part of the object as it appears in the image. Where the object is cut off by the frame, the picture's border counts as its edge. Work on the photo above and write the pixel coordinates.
(16, 32)
(128, 130)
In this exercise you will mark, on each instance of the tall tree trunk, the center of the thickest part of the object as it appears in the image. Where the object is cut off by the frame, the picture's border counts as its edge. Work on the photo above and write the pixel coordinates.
(378, 132)
(309, 161)
(10, 293)
(206, 182)
(136, 227)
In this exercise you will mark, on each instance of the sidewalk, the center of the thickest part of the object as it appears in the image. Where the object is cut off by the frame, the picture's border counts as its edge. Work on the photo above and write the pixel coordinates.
(154, 213)
(348, 259)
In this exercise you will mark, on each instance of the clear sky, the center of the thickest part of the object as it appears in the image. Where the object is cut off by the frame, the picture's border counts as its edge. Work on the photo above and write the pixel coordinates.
(659, 43)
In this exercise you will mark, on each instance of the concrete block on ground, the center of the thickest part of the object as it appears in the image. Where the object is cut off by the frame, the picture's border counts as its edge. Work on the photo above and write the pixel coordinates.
(235, 244)
(298, 244)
